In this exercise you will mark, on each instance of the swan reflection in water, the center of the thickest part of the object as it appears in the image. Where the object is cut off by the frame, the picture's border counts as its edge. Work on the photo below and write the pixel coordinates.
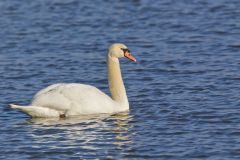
(86, 132)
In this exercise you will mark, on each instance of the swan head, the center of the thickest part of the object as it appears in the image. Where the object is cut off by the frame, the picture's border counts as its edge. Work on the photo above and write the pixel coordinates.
(119, 50)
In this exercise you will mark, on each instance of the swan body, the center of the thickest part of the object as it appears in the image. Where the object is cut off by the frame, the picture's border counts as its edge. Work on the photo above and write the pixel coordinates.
(63, 100)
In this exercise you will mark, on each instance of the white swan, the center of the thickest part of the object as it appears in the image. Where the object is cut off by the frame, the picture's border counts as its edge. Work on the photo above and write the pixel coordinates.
(63, 100)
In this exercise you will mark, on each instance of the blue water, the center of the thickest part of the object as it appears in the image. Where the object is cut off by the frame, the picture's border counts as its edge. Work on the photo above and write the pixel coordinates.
(184, 93)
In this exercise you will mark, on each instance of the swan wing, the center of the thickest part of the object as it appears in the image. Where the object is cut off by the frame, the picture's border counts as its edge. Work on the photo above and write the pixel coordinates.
(74, 99)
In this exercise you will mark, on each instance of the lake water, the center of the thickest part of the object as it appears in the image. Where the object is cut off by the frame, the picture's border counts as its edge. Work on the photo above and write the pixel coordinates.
(184, 93)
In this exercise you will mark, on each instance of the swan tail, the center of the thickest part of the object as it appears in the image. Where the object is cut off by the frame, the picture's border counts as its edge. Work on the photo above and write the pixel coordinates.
(36, 111)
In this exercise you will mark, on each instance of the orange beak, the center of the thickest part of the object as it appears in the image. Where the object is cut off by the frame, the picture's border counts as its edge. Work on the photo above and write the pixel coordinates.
(129, 56)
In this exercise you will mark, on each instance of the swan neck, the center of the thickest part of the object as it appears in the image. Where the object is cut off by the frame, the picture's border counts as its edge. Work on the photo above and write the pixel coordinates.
(116, 85)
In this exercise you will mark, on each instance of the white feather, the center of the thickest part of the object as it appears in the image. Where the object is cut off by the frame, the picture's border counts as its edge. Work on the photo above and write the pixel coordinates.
(79, 99)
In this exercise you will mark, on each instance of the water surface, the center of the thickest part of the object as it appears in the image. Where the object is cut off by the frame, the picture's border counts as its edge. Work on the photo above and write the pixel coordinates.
(184, 93)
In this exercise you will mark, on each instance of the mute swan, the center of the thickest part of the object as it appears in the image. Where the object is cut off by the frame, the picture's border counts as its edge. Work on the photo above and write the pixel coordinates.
(63, 100)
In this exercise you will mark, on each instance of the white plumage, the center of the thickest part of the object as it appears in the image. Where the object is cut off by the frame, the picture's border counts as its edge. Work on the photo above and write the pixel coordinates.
(79, 99)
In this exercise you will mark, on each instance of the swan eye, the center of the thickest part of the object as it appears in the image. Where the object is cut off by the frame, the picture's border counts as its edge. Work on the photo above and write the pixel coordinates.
(125, 50)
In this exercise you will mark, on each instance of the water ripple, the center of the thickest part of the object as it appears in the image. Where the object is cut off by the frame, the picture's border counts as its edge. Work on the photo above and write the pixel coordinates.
(184, 92)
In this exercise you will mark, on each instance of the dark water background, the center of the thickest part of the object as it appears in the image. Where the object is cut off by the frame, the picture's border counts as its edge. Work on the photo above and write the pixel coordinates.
(184, 93)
